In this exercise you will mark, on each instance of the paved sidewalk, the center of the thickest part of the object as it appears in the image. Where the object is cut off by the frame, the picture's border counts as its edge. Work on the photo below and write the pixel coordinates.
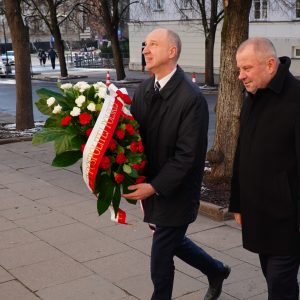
(54, 246)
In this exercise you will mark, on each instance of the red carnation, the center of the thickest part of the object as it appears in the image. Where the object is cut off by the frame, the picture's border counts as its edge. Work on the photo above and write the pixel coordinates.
(88, 132)
(136, 166)
(142, 164)
(133, 147)
(140, 179)
(121, 158)
(112, 145)
(130, 129)
(82, 147)
(66, 120)
(119, 178)
(120, 133)
(85, 118)
(105, 163)
(140, 146)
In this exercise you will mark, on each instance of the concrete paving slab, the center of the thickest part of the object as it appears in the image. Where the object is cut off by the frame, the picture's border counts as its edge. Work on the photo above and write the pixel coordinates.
(244, 255)
(11, 199)
(45, 221)
(15, 237)
(76, 210)
(121, 265)
(89, 288)
(35, 189)
(26, 211)
(6, 224)
(65, 198)
(136, 230)
(67, 234)
(246, 288)
(14, 290)
(13, 177)
(24, 255)
(141, 286)
(5, 276)
(220, 238)
(93, 248)
(50, 273)
(200, 295)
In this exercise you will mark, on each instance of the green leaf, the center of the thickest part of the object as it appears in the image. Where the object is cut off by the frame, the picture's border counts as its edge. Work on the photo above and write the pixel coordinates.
(127, 169)
(105, 188)
(126, 182)
(47, 135)
(68, 142)
(42, 106)
(60, 99)
(53, 121)
(116, 199)
(66, 159)
(91, 93)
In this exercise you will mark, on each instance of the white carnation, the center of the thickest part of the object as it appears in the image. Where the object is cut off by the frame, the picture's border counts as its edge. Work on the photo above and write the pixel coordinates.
(82, 86)
(66, 86)
(50, 101)
(57, 109)
(91, 107)
(101, 92)
(99, 85)
(75, 111)
(80, 100)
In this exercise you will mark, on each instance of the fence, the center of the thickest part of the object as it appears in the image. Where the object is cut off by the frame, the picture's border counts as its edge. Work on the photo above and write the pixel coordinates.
(94, 60)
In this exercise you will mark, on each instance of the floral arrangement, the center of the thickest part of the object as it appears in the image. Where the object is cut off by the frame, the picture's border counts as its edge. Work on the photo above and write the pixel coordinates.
(72, 117)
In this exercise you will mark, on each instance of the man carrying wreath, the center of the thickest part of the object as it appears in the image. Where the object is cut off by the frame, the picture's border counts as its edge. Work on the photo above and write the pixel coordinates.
(173, 118)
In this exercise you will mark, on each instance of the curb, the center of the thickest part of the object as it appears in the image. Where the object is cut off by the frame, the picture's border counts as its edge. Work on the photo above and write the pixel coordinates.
(214, 211)
(15, 140)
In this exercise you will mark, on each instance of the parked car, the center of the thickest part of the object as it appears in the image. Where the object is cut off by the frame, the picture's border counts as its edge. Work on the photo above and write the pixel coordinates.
(2, 68)
(10, 56)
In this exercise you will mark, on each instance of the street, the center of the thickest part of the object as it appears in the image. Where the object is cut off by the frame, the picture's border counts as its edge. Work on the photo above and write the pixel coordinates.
(8, 90)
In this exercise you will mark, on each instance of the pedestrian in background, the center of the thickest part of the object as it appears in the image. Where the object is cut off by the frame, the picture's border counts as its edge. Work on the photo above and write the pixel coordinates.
(143, 58)
(42, 57)
(265, 192)
(173, 118)
(52, 56)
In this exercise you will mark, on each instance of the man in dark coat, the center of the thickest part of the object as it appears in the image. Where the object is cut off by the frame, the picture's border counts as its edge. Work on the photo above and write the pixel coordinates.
(173, 118)
(265, 192)
(52, 56)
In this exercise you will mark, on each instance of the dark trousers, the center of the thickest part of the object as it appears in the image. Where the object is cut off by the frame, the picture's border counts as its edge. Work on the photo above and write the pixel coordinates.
(169, 242)
(53, 63)
(281, 276)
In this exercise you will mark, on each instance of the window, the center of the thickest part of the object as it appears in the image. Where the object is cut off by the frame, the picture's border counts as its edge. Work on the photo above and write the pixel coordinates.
(186, 4)
(260, 9)
(297, 8)
(296, 51)
(158, 5)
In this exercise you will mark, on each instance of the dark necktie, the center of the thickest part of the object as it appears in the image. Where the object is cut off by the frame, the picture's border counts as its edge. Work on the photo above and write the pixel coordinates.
(157, 87)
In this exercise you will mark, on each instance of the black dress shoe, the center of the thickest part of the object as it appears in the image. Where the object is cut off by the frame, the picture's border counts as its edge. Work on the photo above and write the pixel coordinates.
(215, 285)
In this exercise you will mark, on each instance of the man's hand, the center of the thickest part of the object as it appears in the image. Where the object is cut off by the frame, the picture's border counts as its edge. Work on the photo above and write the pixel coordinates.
(238, 218)
(141, 191)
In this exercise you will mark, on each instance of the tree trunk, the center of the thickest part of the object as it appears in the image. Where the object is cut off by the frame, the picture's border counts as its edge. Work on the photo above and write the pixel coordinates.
(20, 41)
(209, 59)
(234, 31)
(59, 45)
(118, 60)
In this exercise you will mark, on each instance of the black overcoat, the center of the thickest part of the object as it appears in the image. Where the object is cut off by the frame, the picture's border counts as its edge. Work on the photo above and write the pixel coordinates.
(266, 175)
(173, 127)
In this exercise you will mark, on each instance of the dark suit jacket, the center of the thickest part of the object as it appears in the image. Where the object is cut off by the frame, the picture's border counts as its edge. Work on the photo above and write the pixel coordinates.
(173, 126)
(266, 175)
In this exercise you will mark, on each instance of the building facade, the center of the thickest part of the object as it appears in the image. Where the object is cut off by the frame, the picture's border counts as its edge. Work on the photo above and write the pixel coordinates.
(268, 18)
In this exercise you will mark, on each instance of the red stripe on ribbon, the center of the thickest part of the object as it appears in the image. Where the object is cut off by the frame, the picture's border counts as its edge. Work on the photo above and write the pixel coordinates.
(104, 141)
(124, 97)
